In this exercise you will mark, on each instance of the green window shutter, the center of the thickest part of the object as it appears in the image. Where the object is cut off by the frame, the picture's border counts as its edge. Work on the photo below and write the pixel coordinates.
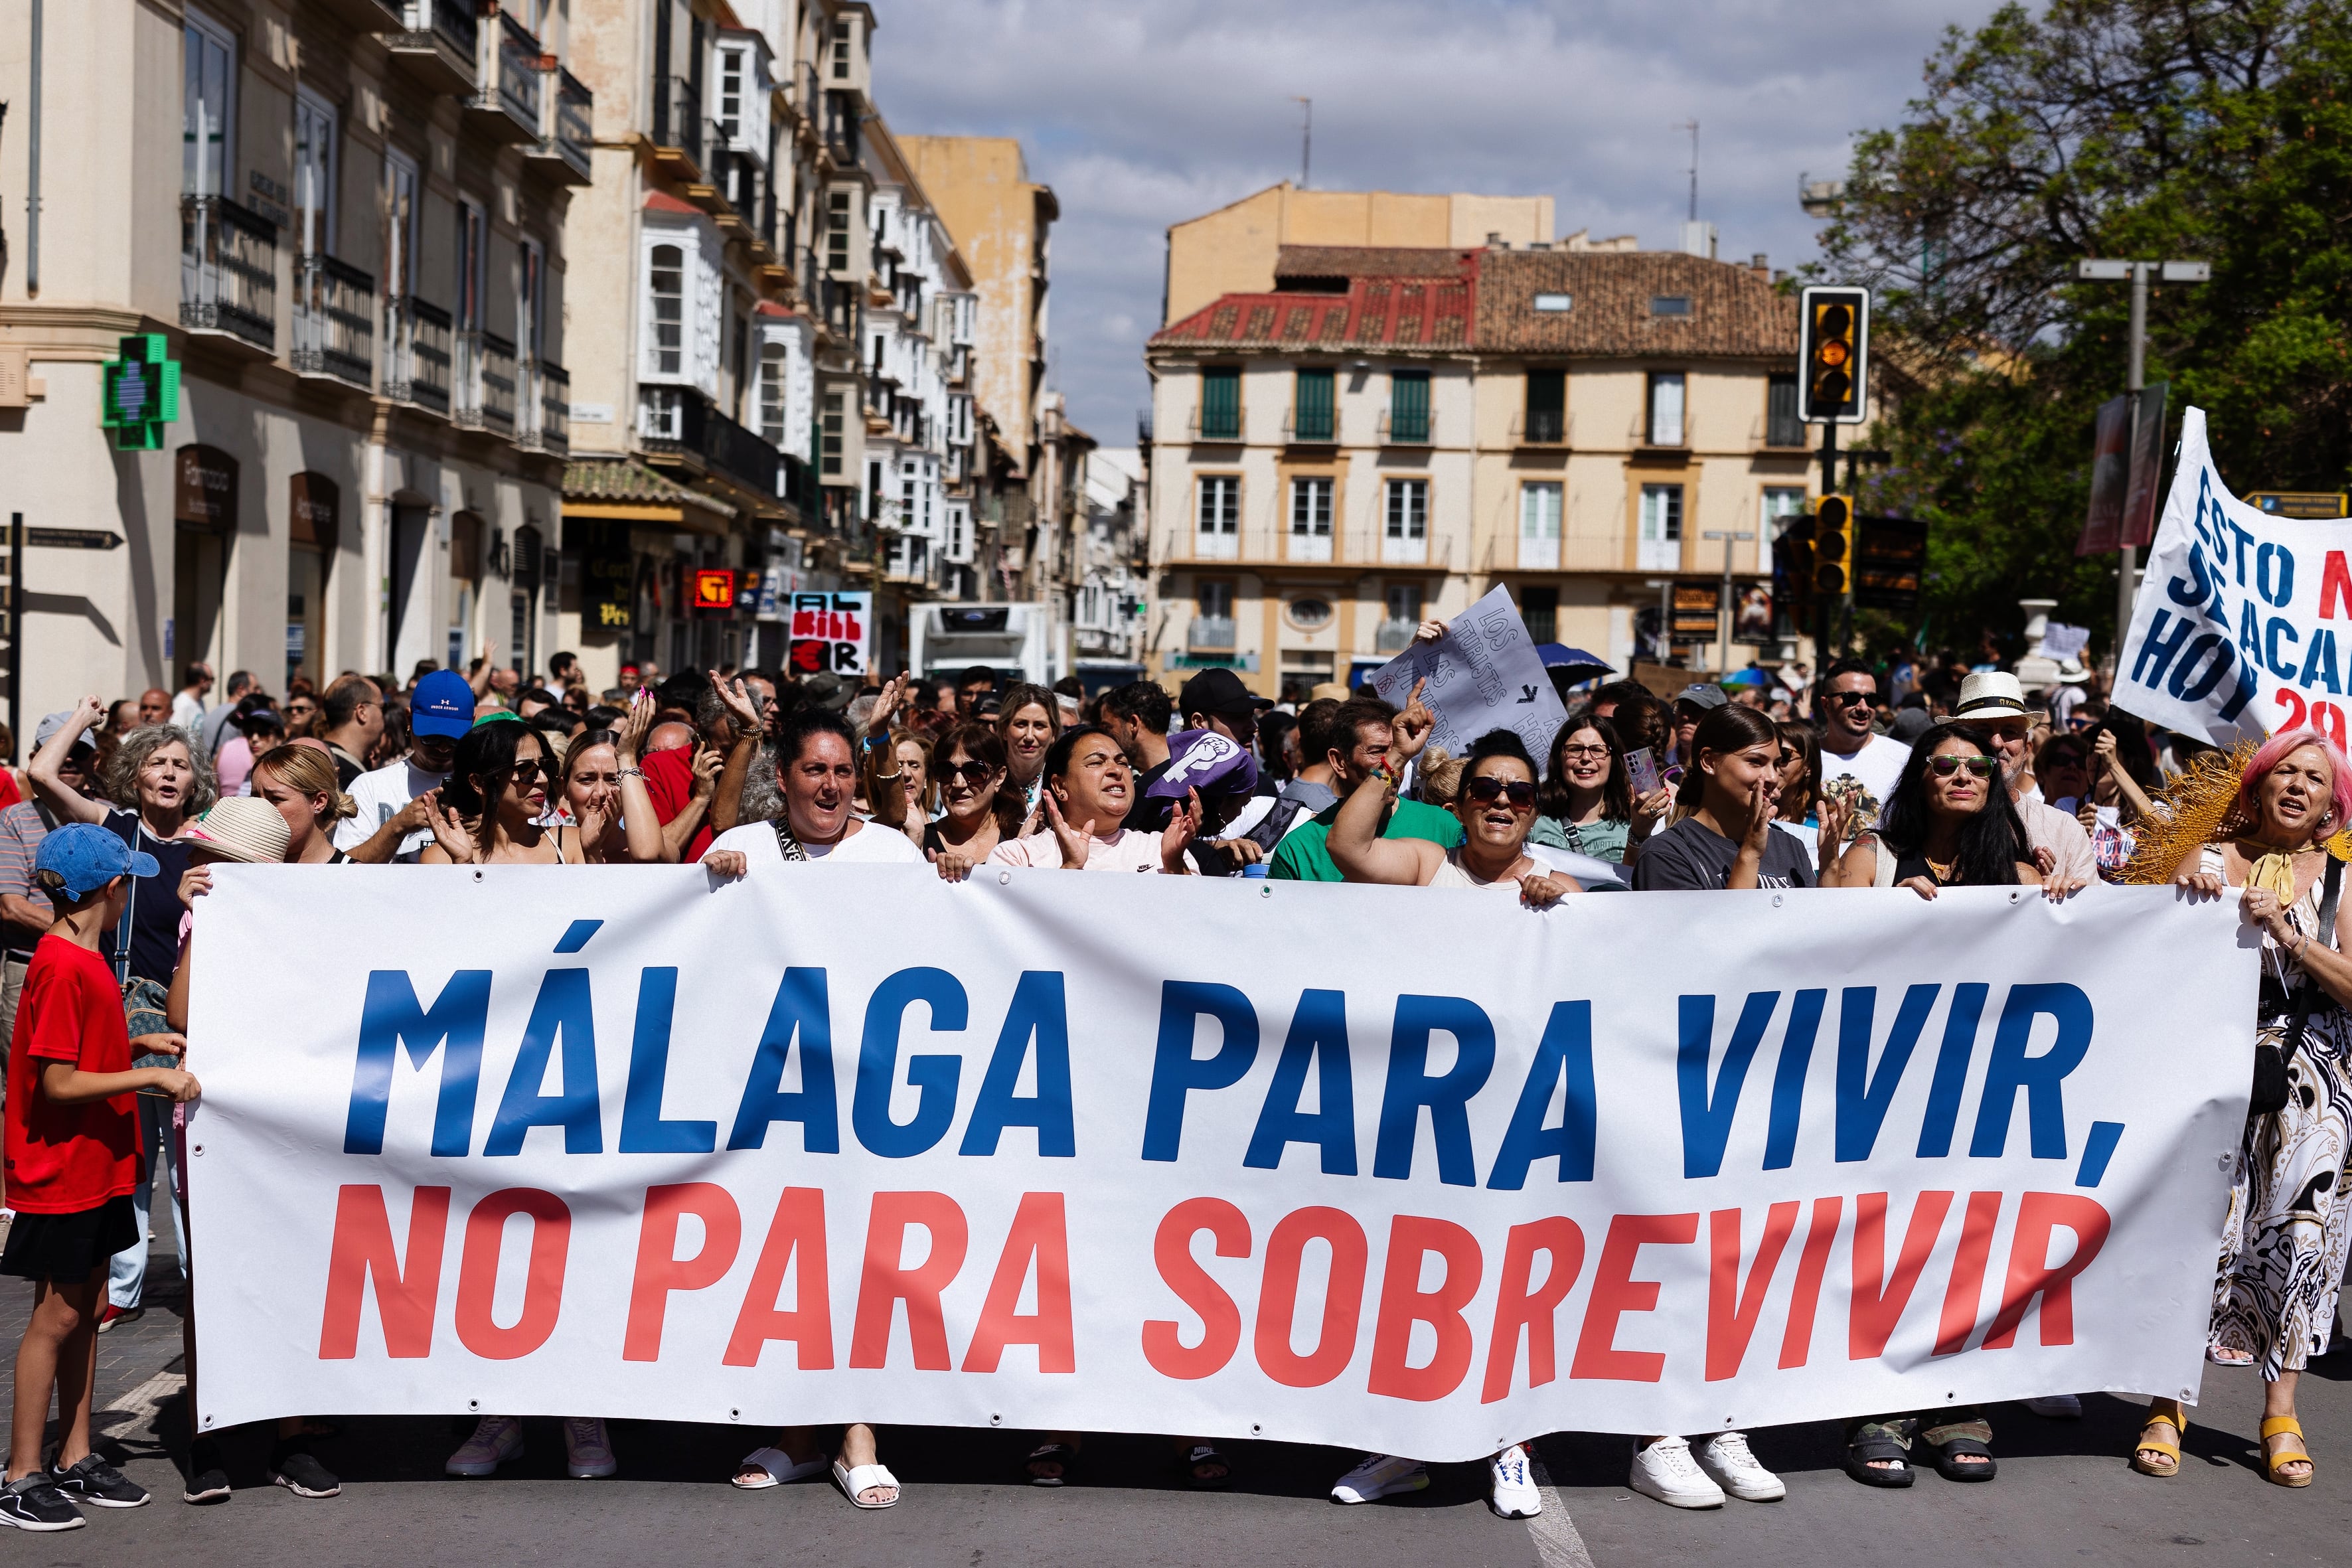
(1409, 406)
(1314, 405)
(1220, 404)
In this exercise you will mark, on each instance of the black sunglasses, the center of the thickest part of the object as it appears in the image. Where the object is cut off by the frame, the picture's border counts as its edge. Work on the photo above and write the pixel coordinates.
(1487, 789)
(1945, 767)
(970, 768)
(1848, 699)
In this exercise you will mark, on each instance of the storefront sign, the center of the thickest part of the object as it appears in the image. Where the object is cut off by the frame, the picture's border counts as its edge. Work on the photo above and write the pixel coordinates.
(203, 488)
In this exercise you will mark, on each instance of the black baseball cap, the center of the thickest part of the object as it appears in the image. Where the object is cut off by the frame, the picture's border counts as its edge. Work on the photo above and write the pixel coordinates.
(1219, 691)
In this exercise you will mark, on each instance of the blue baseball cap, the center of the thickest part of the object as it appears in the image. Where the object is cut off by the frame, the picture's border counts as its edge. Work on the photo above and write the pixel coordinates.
(1208, 761)
(89, 856)
(441, 704)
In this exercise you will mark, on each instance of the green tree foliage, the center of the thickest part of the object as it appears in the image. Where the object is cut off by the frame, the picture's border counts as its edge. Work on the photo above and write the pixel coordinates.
(2216, 130)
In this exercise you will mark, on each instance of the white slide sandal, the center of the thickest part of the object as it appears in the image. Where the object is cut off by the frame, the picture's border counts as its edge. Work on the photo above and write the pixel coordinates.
(775, 1468)
(854, 1482)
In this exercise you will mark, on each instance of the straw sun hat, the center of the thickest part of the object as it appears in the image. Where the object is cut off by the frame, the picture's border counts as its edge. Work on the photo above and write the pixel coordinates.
(241, 827)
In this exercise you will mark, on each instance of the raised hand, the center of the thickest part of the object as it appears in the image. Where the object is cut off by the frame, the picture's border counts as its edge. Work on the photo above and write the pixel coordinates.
(636, 725)
(705, 767)
(1429, 631)
(448, 830)
(1412, 728)
(1182, 824)
(1076, 843)
(743, 707)
(894, 692)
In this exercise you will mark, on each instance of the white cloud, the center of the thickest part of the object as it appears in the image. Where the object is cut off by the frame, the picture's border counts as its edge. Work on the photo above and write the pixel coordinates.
(1143, 115)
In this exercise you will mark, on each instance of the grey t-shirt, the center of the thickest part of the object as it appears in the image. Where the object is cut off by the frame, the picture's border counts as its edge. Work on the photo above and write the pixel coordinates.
(1692, 856)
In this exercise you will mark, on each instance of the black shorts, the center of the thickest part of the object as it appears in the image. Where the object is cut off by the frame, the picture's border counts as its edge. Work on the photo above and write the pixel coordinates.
(66, 1247)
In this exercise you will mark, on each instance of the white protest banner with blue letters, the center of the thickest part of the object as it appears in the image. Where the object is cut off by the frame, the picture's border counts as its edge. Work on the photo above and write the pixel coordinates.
(2242, 625)
(1405, 1169)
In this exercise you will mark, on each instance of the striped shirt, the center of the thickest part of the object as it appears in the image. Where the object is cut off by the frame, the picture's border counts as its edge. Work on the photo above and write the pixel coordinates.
(21, 832)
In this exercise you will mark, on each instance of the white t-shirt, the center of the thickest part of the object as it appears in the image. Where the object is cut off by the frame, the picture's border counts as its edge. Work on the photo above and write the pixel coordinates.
(380, 795)
(871, 842)
(1878, 766)
(1130, 850)
(187, 711)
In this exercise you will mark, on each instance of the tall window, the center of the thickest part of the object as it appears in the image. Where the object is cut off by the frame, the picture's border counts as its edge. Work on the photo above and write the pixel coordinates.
(1540, 526)
(530, 304)
(830, 434)
(731, 64)
(1221, 403)
(1214, 601)
(314, 173)
(472, 230)
(1661, 547)
(1310, 518)
(841, 49)
(207, 107)
(399, 225)
(667, 276)
(1546, 412)
(1402, 604)
(1783, 504)
(1219, 523)
(836, 236)
(1409, 406)
(1540, 609)
(1405, 537)
(1781, 427)
(1665, 428)
(772, 392)
(1314, 420)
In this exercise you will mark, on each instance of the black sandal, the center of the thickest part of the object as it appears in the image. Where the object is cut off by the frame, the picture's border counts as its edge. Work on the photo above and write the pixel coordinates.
(1200, 1455)
(1061, 1454)
(1878, 1440)
(1948, 1459)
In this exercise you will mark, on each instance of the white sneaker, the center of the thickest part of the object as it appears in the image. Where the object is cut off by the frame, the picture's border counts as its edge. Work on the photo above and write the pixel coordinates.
(1514, 1494)
(496, 1439)
(2057, 1406)
(1665, 1470)
(1725, 1457)
(587, 1456)
(1379, 1476)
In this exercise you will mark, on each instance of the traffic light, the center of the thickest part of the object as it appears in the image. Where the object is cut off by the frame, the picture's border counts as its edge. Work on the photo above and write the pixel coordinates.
(1832, 547)
(1834, 355)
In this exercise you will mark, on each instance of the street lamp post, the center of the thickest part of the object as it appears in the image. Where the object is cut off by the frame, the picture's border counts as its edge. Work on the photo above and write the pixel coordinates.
(1665, 643)
(2135, 377)
(1723, 603)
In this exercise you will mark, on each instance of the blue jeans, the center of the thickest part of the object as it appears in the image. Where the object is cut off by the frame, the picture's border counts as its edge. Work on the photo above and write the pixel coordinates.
(126, 1273)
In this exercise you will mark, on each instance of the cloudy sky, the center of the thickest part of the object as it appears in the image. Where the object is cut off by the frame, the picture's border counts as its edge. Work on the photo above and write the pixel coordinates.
(1141, 113)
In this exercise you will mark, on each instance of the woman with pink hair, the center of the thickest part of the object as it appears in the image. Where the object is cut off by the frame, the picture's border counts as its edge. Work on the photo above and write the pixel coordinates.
(2284, 1243)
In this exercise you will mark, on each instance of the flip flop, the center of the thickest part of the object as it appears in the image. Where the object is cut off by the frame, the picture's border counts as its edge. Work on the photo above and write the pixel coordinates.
(854, 1480)
(775, 1468)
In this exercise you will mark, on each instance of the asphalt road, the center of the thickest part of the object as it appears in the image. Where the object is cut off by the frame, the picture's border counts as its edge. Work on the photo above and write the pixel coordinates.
(2064, 1496)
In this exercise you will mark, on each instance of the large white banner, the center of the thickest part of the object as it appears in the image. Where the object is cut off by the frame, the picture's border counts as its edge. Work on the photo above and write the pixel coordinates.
(1395, 1168)
(2242, 625)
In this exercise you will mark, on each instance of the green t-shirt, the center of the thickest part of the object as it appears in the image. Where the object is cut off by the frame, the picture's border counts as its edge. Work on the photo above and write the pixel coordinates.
(1302, 857)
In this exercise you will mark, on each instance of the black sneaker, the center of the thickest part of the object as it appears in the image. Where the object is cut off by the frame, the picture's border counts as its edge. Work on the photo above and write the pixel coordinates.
(93, 1481)
(34, 1502)
(299, 1473)
(209, 1485)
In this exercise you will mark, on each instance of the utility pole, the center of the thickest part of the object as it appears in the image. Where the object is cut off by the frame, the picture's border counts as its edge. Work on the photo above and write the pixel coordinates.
(1306, 144)
(1723, 603)
(2135, 379)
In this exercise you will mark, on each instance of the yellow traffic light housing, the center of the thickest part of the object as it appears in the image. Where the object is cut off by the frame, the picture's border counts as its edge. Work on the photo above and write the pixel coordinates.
(1835, 354)
(1833, 547)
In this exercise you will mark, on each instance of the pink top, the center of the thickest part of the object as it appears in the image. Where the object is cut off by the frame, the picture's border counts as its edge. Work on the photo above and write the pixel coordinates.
(1125, 850)
(234, 766)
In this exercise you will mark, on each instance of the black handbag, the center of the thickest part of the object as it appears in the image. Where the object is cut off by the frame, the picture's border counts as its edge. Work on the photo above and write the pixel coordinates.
(2270, 1088)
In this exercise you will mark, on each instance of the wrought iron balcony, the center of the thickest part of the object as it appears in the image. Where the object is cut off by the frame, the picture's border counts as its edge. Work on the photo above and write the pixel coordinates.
(416, 363)
(543, 407)
(334, 320)
(679, 421)
(1541, 428)
(1210, 634)
(512, 80)
(1408, 427)
(1311, 427)
(1394, 635)
(678, 125)
(570, 135)
(486, 383)
(228, 271)
(439, 42)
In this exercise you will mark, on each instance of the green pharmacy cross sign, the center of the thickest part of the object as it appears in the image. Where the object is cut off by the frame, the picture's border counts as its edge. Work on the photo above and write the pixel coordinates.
(142, 392)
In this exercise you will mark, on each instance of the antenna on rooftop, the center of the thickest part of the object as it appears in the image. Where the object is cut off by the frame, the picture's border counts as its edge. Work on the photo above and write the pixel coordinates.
(1692, 126)
(1306, 143)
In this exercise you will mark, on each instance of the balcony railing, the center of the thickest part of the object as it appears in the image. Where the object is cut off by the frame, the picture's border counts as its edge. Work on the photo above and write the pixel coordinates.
(334, 320)
(677, 118)
(416, 367)
(1540, 428)
(841, 128)
(1210, 544)
(1216, 425)
(486, 383)
(512, 80)
(807, 97)
(680, 421)
(1210, 634)
(440, 41)
(1409, 427)
(1312, 428)
(571, 129)
(544, 407)
(1394, 635)
(228, 271)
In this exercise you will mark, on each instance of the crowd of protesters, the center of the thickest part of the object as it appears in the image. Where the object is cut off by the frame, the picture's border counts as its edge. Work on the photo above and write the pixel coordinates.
(1883, 776)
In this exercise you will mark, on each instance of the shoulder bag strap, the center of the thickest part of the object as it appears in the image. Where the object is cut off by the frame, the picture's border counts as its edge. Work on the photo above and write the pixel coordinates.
(2308, 995)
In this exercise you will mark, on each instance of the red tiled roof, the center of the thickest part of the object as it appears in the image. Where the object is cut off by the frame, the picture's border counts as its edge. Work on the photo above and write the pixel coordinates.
(1426, 304)
(663, 202)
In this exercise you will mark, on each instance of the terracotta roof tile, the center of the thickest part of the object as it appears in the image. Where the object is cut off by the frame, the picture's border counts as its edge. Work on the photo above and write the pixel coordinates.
(1734, 313)
(1425, 297)
(631, 484)
(663, 202)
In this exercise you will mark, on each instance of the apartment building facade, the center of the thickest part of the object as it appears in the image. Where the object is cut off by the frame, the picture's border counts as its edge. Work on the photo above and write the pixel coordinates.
(344, 220)
(1389, 433)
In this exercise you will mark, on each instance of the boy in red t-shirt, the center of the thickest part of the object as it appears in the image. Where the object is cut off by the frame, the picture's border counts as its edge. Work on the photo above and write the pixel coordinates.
(72, 1162)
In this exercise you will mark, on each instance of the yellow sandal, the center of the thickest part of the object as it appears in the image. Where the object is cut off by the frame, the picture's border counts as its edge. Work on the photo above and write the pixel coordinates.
(2271, 1462)
(2160, 1413)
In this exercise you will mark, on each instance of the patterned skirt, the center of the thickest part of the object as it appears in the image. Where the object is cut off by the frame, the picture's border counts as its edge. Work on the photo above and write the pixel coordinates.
(2283, 1246)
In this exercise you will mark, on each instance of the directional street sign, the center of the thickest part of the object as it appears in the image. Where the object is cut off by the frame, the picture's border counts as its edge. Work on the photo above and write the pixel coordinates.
(73, 538)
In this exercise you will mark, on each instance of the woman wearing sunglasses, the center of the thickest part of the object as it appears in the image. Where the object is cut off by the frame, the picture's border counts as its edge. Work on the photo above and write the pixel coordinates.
(978, 811)
(490, 811)
(1496, 804)
(1948, 824)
